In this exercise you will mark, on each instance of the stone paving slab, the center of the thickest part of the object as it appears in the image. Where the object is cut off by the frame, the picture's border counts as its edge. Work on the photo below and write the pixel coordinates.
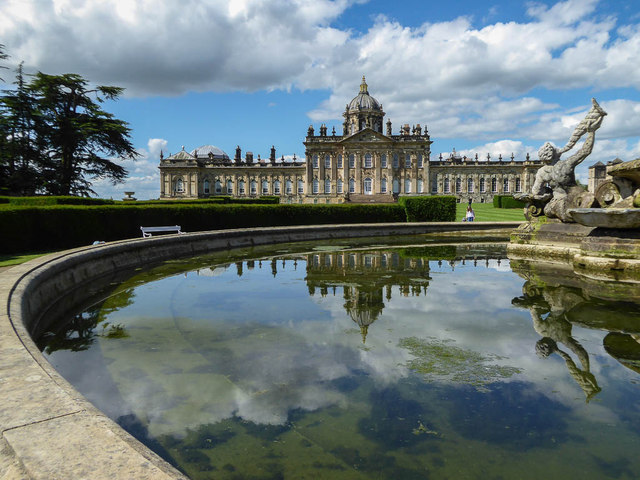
(85, 436)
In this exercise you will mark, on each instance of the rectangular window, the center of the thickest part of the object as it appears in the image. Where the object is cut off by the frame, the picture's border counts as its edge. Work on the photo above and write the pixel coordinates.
(395, 160)
(383, 161)
(300, 188)
(434, 185)
(352, 161)
(315, 161)
(339, 161)
(420, 164)
(407, 161)
(368, 162)
(327, 161)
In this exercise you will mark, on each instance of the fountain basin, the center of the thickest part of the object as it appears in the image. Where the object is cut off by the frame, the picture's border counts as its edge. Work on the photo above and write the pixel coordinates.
(607, 217)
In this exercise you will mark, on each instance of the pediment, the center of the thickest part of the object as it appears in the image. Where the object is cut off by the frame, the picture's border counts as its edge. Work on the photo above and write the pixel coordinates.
(366, 135)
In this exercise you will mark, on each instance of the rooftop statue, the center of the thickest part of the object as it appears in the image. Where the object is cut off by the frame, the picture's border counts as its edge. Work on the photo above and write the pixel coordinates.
(555, 190)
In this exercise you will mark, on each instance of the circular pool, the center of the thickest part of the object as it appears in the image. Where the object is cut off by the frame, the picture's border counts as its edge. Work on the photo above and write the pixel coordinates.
(412, 357)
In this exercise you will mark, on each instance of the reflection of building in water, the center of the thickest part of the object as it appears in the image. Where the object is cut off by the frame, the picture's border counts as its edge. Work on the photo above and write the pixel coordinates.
(366, 279)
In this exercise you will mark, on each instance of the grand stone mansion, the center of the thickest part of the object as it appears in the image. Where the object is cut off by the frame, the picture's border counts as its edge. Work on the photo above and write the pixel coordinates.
(366, 163)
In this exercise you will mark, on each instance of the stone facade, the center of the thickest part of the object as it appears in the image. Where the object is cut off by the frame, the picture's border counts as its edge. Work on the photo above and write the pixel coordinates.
(363, 164)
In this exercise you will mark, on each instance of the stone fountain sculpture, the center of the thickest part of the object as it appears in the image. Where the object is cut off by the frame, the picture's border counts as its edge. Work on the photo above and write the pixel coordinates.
(597, 233)
(555, 190)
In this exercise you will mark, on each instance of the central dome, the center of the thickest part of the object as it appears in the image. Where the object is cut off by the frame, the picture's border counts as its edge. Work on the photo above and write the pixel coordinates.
(363, 101)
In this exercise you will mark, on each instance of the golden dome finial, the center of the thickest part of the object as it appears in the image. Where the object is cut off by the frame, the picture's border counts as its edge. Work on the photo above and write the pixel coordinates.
(363, 86)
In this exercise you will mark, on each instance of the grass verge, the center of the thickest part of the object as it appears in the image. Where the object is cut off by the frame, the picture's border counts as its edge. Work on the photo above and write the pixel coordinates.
(8, 260)
(485, 212)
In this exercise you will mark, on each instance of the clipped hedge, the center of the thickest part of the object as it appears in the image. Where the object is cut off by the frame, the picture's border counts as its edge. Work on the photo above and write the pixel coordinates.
(57, 227)
(429, 208)
(506, 201)
(55, 200)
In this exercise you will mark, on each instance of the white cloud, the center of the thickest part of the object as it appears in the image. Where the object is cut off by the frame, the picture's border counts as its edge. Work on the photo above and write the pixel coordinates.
(174, 46)
(144, 176)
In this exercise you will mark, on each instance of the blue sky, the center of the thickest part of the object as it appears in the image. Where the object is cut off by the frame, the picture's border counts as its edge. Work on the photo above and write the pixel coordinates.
(486, 77)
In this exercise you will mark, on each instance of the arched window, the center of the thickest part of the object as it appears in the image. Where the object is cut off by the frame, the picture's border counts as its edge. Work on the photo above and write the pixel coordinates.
(265, 187)
(396, 185)
(218, 187)
(241, 190)
(505, 185)
(276, 187)
(340, 186)
(447, 186)
(368, 186)
(494, 185)
(205, 186)
(383, 185)
(300, 187)
(395, 160)
(315, 186)
(518, 185)
(470, 185)
(434, 185)
(420, 187)
(327, 161)
(327, 185)
(352, 185)
(339, 162)
(383, 160)
(179, 185)
(253, 187)
(352, 161)
(407, 185)
(458, 185)
(315, 161)
(229, 187)
(368, 162)
(288, 187)
(482, 185)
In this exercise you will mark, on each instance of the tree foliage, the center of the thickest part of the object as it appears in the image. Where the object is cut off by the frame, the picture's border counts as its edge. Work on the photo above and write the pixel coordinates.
(55, 137)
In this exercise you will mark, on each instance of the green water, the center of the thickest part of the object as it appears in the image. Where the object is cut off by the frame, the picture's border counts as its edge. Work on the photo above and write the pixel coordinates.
(356, 359)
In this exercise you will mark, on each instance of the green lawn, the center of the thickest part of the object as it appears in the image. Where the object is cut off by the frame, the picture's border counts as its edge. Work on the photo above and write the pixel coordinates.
(17, 259)
(486, 213)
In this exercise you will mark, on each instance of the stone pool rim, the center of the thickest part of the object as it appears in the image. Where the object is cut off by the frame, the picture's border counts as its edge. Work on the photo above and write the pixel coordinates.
(49, 430)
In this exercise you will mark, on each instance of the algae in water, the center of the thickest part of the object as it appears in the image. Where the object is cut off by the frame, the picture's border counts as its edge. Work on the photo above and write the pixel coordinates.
(441, 359)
